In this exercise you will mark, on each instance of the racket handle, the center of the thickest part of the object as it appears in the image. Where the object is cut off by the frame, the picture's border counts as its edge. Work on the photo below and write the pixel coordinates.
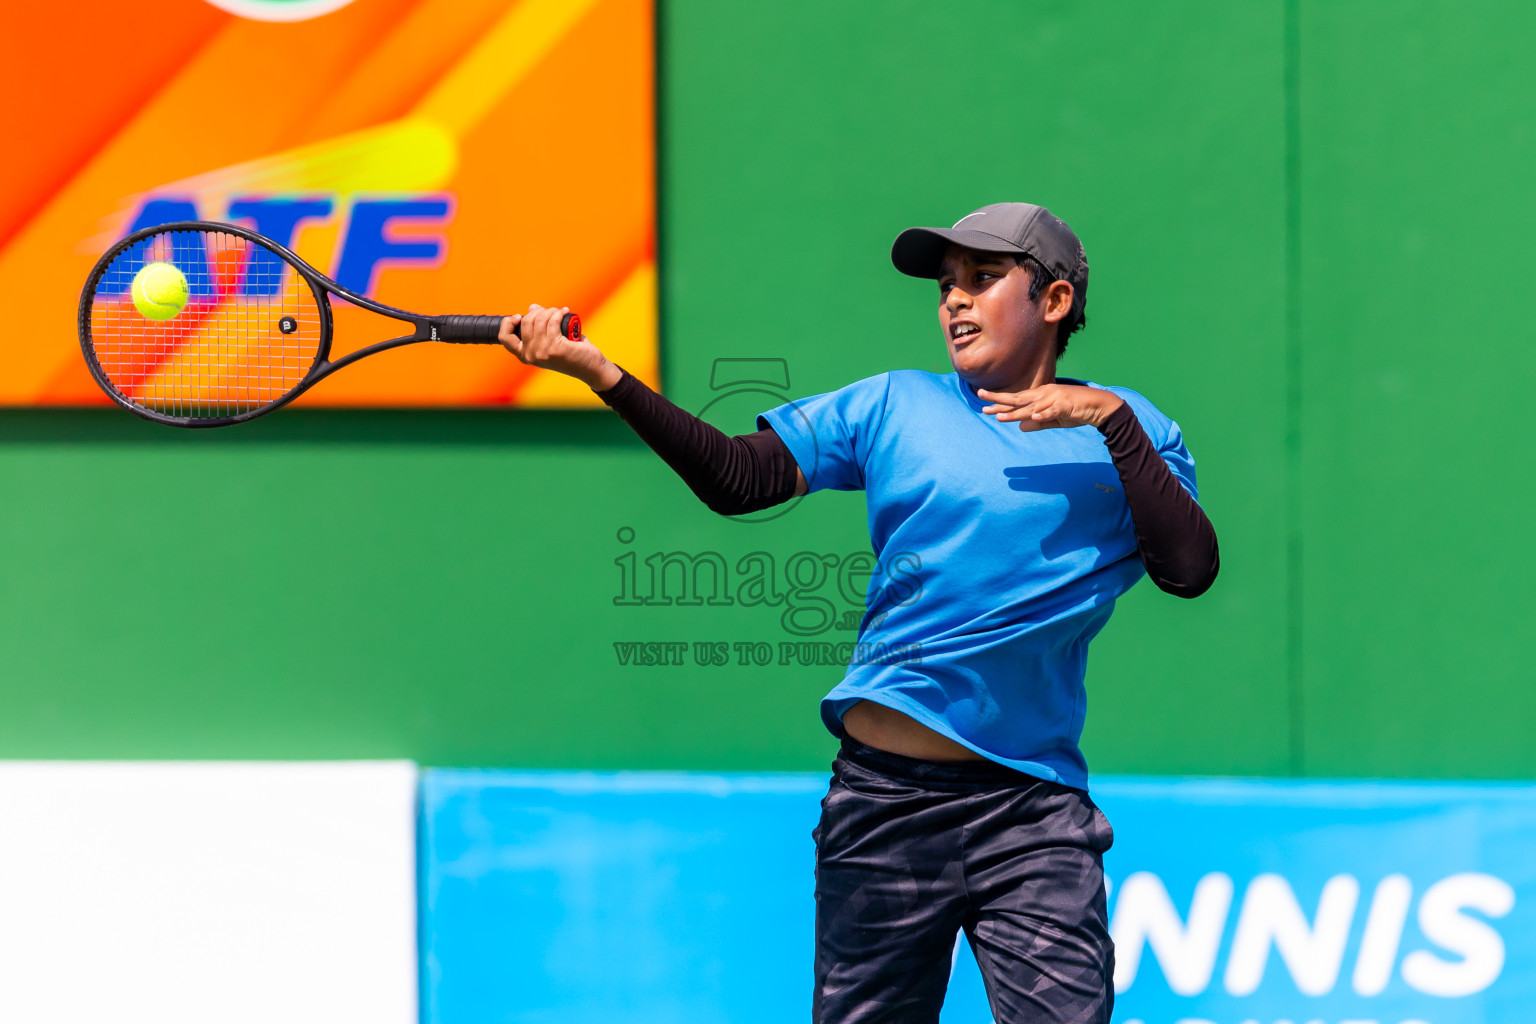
(482, 330)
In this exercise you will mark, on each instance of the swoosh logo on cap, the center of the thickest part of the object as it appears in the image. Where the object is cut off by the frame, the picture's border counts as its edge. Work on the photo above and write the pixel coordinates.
(967, 217)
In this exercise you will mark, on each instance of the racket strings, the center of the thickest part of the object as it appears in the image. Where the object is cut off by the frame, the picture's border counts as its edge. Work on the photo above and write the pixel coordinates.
(226, 353)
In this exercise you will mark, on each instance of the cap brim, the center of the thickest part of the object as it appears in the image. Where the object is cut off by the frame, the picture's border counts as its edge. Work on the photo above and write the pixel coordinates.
(918, 252)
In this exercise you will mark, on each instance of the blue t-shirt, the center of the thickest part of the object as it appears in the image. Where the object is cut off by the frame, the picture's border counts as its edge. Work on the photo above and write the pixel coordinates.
(1000, 555)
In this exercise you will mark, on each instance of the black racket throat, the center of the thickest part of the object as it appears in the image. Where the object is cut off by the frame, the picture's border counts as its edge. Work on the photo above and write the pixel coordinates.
(253, 334)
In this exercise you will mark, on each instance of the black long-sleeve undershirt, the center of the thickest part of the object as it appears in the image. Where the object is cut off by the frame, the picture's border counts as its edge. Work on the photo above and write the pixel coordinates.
(732, 475)
(749, 472)
(1174, 535)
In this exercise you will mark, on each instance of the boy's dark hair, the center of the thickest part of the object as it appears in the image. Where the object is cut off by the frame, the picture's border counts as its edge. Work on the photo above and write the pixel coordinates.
(1039, 279)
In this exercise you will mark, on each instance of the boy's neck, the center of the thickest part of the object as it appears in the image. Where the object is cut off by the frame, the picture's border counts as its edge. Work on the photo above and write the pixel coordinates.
(1035, 374)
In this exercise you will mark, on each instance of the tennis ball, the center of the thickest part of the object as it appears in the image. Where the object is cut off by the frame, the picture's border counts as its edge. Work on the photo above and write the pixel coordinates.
(159, 291)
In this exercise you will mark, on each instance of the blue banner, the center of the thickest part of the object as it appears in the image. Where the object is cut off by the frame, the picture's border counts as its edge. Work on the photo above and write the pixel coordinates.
(1269, 901)
(617, 899)
(656, 897)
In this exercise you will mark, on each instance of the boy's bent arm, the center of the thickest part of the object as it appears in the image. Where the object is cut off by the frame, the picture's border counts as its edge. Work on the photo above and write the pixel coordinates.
(1175, 537)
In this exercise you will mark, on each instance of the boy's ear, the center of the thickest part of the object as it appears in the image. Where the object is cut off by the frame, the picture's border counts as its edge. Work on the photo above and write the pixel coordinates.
(1057, 300)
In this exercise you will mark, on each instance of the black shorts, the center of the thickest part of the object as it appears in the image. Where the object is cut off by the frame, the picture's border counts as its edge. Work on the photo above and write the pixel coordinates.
(909, 852)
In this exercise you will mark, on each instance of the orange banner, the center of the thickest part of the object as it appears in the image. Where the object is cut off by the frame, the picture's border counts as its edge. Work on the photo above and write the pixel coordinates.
(441, 156)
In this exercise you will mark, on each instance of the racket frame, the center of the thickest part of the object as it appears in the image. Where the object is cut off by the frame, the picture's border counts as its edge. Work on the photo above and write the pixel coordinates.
(425, 328)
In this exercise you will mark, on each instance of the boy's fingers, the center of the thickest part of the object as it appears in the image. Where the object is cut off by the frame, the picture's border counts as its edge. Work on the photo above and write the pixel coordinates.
(546, 314)
(1005, 397)
(533, 327)
(538, 336)
(511, 342)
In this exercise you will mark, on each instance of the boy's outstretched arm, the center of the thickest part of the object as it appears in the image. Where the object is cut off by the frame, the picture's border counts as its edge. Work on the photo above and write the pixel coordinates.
(732, 475)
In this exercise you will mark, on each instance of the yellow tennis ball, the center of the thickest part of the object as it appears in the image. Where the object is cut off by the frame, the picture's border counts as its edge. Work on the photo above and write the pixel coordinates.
(159, 291)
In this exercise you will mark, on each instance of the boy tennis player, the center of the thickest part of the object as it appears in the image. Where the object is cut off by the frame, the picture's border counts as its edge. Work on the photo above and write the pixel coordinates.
(959, 797)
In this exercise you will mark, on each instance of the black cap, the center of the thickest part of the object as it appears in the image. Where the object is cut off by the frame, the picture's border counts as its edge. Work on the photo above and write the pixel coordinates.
(1002, 227)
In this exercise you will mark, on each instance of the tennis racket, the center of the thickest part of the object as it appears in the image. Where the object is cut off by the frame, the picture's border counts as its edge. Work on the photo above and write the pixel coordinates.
(254, 334)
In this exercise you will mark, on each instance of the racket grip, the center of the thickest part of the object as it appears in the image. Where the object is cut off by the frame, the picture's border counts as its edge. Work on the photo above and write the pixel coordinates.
(472, 329)
(484, 329)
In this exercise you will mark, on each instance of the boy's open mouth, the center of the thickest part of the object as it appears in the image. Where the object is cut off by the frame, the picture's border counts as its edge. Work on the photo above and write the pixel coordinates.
(963, 330)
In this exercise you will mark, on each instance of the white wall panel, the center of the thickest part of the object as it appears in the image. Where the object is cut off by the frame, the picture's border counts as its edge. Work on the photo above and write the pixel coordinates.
(186, 892)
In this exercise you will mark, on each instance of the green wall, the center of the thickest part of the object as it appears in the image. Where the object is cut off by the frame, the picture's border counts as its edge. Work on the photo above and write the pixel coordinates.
(1416, 217)
(1302, 218)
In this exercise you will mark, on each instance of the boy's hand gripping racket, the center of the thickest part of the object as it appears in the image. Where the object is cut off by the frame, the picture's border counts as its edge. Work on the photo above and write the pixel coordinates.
(252, 333)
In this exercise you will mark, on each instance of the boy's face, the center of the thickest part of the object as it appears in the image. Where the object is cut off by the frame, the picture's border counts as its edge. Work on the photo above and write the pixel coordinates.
(994, 332)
